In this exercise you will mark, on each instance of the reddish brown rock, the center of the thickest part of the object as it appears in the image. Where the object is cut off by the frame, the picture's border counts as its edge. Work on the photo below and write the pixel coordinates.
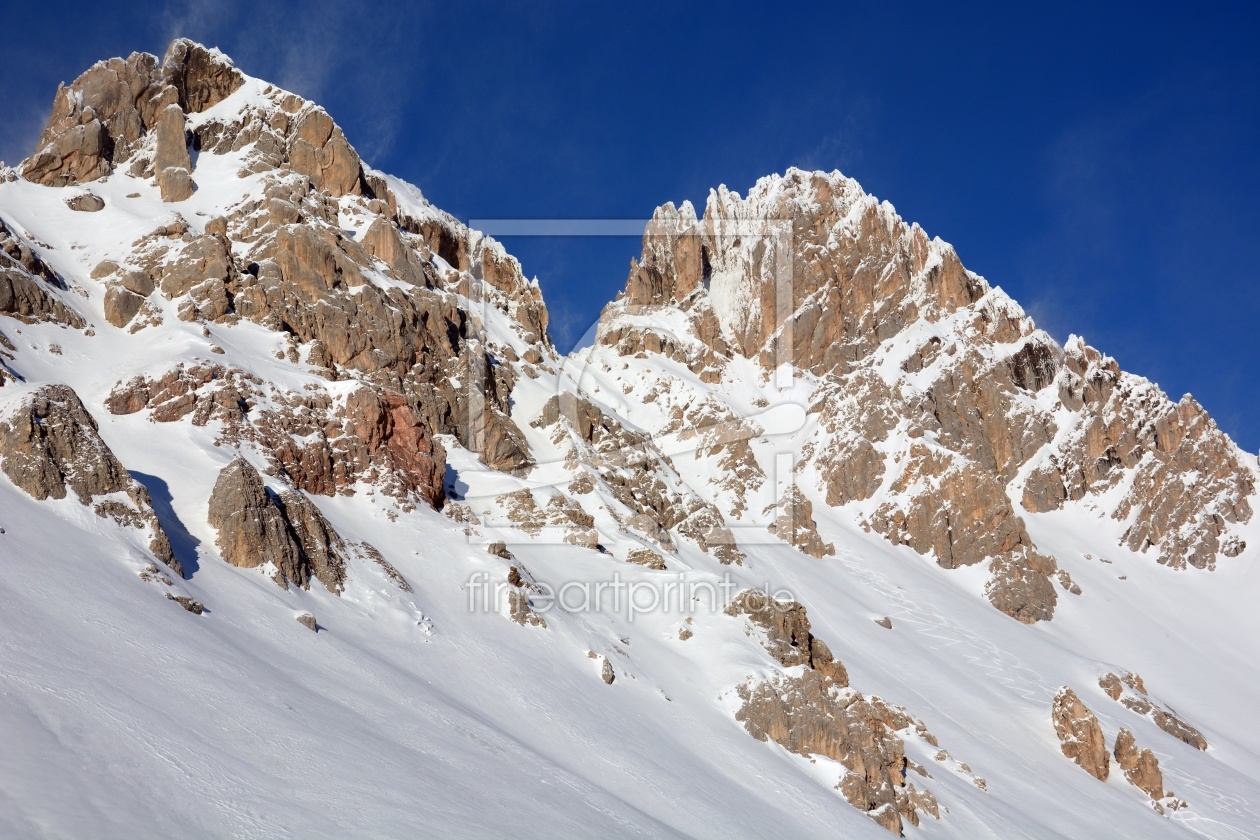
(321, 447)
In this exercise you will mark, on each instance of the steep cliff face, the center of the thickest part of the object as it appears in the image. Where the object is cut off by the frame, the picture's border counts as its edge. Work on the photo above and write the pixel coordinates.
(232, 351)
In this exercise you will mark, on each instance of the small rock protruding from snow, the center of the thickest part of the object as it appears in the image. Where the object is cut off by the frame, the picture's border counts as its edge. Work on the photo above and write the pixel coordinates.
(1080, 734)
(86, 203)
(185, 601)
(1140, 766)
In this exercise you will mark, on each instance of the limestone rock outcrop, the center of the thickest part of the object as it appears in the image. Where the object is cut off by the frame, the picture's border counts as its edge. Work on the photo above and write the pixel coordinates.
(654, 500)
(251, 526)
(857, 412)
(188, 603)
(86, 203)
(28, 287)
(1129, 690)
(201, 77)
(24, 298)
(788, 636)
(802, 338)
(176, 183)
(312, 282)
(812, 715)
(945, 505)
(794, 523)
(1187, 485)
(19, 252)
(1020, 585)
(322, 446)
(818, 713)
(323, 548)
(1080, 735)
(105, 117)
(382, 309)
(575, 525)
(50, 447)
(171, 160)
(1140, 766)
(286, 532)
(520, 606)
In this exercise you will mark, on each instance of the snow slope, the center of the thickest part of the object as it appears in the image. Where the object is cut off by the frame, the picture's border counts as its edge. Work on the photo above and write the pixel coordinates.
(422, 713)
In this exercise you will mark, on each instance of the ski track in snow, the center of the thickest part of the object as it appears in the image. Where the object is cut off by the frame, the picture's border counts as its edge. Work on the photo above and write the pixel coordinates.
(1003, 667)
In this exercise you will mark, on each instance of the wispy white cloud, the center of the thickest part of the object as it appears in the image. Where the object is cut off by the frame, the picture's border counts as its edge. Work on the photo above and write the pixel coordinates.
(360, 60)
(19, 130)
(568, 325)
(842, 147)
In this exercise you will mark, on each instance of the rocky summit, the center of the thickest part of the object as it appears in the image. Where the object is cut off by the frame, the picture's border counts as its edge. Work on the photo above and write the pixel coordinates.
(821, 536)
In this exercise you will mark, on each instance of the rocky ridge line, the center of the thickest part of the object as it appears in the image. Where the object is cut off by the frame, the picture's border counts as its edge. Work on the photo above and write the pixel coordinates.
(944, 415)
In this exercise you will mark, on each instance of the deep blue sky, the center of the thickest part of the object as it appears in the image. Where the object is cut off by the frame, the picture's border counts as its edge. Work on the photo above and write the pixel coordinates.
(1101, 163)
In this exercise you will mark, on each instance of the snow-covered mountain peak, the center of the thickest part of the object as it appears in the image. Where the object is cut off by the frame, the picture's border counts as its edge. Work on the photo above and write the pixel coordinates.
(306, 528)
(810, 275)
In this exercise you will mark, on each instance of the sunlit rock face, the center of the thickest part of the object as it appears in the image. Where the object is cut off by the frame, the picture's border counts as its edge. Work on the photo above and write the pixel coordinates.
(355, 402)
(945, 416)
